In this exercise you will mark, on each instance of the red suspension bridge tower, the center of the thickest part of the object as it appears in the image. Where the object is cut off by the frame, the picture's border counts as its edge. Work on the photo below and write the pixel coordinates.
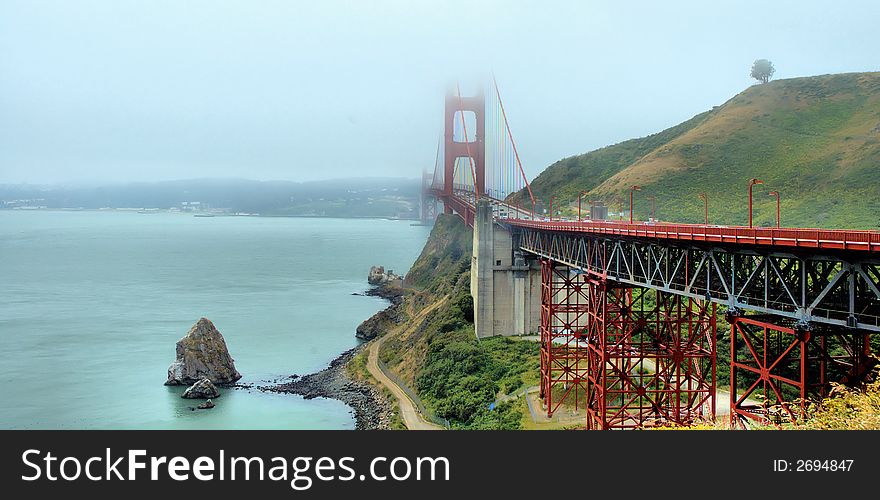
(467, 144)
(627, 311)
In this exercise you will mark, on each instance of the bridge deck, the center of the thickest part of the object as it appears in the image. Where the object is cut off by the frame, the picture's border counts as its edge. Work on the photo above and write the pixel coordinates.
(852, 240)
(830, 239)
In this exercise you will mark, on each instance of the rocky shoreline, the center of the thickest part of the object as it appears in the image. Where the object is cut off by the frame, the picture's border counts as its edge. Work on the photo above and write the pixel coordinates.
(380, 322)
(371, 409)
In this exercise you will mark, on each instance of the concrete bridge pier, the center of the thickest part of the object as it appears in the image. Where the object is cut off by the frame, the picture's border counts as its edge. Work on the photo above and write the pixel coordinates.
(505, 286)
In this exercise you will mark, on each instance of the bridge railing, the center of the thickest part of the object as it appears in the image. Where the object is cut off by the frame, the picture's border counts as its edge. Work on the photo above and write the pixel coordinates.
(837, 239)
(854, 240)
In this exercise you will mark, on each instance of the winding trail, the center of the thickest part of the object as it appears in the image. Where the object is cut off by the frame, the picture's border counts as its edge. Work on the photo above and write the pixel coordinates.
(411, 417)
(408, 412)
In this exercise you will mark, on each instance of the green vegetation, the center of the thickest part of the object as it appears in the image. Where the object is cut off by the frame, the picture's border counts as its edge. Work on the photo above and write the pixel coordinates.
(356, 369)
(762, 70)
(850, 409)
(456, 376)
(569, 176)
(816, 140)
(462, 377)
(844, 409)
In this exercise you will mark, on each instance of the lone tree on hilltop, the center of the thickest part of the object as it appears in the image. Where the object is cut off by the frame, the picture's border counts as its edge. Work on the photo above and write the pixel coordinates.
(762, 70)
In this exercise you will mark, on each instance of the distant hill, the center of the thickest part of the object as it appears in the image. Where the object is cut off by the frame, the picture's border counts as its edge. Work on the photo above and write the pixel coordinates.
(815, 139)
(364, 197)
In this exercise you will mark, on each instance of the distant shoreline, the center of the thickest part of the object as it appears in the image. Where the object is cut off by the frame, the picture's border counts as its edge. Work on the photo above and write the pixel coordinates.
(149, 211)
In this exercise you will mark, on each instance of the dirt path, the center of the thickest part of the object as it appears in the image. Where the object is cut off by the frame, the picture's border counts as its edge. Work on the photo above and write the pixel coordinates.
(411, 417)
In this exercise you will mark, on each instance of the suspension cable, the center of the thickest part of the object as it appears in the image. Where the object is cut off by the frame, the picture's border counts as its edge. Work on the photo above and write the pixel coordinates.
(512, 142)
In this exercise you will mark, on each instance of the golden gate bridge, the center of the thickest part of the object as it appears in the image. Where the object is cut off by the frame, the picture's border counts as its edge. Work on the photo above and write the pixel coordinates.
(628, 318)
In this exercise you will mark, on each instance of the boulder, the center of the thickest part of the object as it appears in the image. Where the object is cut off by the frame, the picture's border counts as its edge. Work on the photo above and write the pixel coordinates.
(203, 389)
(202, 354)
(207, 405)
(378, 276)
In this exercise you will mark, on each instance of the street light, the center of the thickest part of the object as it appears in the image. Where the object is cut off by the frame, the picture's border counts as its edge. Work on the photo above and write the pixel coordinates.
(631, 191)
(651, 199)
(580, 196)
(776, 194)
(551, 207)
(705, 198)
(752, 182)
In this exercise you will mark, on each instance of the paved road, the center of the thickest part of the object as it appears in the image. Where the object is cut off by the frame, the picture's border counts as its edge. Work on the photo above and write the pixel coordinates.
(411, 417)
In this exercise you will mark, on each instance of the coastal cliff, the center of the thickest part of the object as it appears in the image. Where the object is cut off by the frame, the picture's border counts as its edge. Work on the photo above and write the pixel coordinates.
(430, 343)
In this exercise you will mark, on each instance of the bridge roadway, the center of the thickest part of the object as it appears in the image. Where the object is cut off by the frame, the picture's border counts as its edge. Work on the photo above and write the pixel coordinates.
(611, 299)
(810, 276)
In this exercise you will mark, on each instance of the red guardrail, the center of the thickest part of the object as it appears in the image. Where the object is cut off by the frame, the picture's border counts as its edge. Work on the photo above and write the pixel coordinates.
(836, 239)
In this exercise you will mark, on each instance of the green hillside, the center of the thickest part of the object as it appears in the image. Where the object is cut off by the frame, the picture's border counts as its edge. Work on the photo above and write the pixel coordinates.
(432, 347)
(815, 139)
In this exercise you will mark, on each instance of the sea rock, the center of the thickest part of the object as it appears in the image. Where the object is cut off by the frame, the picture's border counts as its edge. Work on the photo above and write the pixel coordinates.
(207, 405)
(378, 276)
(203, 389)
(202, 354)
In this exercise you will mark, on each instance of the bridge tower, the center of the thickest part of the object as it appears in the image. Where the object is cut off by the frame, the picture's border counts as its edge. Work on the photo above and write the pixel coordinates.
(457, 109)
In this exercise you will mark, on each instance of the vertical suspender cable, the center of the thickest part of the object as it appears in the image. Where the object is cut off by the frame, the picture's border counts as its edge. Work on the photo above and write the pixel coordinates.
(510, 134)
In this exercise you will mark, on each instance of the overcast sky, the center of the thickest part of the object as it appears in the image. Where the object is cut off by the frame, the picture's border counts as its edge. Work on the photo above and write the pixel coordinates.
(119, 90)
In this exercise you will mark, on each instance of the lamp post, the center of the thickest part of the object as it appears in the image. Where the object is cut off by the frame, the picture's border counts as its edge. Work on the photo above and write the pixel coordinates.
(551, 208)
(705, 198)
(631, 191)
(752, 183)
(776, 194)
(652, 199)
(580, 197)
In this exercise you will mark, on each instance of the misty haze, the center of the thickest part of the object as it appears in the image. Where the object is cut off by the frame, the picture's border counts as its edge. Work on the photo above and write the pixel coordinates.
(439, 215)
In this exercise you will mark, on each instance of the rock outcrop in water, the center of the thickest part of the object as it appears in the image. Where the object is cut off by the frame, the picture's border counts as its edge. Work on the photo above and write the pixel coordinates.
(203, 389)
(202, 354)
(378, 276)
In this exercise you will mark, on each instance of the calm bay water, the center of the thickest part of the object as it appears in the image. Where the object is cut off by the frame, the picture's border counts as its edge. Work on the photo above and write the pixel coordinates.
(92, 303)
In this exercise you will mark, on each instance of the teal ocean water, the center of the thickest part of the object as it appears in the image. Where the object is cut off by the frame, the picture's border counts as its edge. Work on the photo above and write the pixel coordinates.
(92, 303)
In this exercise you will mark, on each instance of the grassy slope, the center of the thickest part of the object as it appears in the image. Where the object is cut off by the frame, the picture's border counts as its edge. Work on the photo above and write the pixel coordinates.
(816, 140)
(569, 176)
(438, 354)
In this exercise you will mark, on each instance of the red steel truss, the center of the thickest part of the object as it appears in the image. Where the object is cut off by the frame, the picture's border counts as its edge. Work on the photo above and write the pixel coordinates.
(631, 356)
(781, 366)
(843, 357)
(628, 309)
(563, 336)
(773, 364)
(651, 360)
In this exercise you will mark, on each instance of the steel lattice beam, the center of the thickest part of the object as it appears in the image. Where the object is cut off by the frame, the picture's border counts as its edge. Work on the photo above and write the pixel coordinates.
(832, 289)
(652, 358)
(563, 336)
